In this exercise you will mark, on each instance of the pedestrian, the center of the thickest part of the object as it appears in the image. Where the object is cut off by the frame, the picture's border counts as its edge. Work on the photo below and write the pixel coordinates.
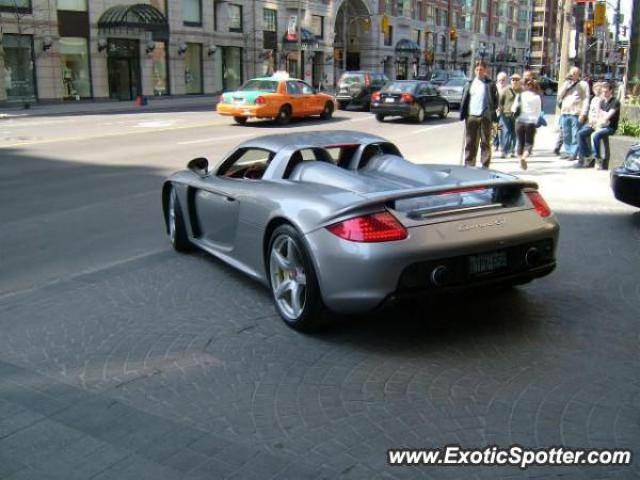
(585, 152)
(479, 111)
(573, 98)
(502, 83)
(527, 108)
(607, 125)
(506, 117)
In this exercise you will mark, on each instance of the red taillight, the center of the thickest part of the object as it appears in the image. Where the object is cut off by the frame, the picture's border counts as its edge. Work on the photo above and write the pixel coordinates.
(539, 203)
(261, 100)
(375, 97)
(378, 227)
(407, 98)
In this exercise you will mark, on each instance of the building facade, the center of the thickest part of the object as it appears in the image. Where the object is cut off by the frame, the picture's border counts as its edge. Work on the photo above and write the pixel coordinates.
(78, 49)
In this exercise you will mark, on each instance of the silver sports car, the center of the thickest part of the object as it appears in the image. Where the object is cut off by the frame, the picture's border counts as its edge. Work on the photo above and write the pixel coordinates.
(339, 221)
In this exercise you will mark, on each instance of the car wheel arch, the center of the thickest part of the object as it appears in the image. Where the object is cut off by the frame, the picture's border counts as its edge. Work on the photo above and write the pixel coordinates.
(274, 223)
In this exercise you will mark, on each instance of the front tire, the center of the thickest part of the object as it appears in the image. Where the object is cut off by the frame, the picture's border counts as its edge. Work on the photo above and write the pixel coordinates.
(327, 113)
(445, 111)
(175, 224)
(343, 105)
(379, 117)
(293, 281)
(240, 120)
(284, 115)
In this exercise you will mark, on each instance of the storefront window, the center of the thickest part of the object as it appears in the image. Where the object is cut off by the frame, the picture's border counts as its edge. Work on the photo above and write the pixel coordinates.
(75, 5)
(193, 68)
(231, 68)
(18, 66)
(76, 79)
(159, 69)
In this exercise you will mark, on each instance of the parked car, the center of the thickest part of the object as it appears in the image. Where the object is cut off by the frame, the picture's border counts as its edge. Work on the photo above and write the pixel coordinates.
(339, 221)
(440, 77)
(356, 87)
(452, 90)
(625, 180)
(408, 99)
(548, 85)
(277, 97)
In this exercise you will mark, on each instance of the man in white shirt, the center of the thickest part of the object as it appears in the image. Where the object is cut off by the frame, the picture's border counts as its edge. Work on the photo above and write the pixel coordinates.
(574, 98)
(478, 109)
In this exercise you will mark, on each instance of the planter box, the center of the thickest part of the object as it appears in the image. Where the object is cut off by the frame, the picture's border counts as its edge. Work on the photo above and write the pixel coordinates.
(619, 146)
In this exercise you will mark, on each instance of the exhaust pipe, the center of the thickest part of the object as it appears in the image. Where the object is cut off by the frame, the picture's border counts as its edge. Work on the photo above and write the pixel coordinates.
(440, 275)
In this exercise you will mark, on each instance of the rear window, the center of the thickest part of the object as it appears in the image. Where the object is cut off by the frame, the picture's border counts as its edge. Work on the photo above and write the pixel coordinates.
(262, 85)
(418, 207)
(399, 87)
(350, 78)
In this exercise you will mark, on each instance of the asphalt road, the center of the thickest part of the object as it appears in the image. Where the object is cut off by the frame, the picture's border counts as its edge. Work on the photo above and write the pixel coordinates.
(122, 359)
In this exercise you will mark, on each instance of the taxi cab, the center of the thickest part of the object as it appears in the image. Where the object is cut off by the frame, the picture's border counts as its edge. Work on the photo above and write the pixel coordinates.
(277, 97)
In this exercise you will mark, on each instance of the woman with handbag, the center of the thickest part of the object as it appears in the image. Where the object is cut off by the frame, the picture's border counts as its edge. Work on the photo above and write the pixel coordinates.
(527, 109)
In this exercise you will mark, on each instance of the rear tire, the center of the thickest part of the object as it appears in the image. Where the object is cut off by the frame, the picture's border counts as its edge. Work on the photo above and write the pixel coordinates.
(327, 113)
(445, 111)
(343, 105)
(420, 114)
(380, 117)
(284, 115)
(240, 120)
(293, 281)
(175, 224)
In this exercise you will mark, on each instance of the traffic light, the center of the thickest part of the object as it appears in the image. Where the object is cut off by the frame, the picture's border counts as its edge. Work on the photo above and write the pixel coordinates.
(599, 14)
(588, 28)
(453, 34)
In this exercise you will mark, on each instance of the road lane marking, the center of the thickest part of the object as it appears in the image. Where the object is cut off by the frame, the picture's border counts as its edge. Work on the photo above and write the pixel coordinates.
(216, 139)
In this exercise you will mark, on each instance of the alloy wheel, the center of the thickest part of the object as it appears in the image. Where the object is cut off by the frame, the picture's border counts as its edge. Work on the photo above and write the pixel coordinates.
(288, 277)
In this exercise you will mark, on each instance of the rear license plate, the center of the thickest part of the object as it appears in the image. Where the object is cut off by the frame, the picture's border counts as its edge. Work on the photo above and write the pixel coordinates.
(238, 101)
(487, 263)
(389, 100)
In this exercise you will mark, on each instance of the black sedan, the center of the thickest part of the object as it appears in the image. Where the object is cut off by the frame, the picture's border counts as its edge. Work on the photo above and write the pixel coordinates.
(625, 180)
(413, 99)
(548, 85)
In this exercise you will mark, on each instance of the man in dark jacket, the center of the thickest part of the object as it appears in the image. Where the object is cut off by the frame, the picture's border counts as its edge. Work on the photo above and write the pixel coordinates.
(478, 110)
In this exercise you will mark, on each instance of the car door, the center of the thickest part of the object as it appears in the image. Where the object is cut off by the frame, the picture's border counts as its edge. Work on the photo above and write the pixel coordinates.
(433, 99)
(311, 102)
(295, 97)
(422, 96)
(217, 206)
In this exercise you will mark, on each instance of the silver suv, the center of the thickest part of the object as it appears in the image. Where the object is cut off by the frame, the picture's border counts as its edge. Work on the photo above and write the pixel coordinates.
(356, 87)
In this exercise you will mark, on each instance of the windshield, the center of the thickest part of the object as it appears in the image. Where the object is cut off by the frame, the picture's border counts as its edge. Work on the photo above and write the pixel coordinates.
(439, 76)
(352, 78)
(262, 85)
(399, 87)
(456, 82)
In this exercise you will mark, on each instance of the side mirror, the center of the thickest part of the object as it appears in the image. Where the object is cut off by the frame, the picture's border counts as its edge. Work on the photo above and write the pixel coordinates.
(199, 166)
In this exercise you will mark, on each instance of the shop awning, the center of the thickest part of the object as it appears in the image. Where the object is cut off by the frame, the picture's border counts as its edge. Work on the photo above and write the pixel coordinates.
(134, 18)
(307, 37)
(407, 47)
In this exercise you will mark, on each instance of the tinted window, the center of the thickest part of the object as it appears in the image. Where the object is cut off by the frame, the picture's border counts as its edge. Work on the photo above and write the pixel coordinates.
(263, 85)
(250, 163)
(293, 88)
(400, 87)
(349, 78)
(305, 88)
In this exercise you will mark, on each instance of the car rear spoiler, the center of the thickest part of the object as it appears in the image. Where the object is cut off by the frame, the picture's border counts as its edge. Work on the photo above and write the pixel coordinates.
(384, 198)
